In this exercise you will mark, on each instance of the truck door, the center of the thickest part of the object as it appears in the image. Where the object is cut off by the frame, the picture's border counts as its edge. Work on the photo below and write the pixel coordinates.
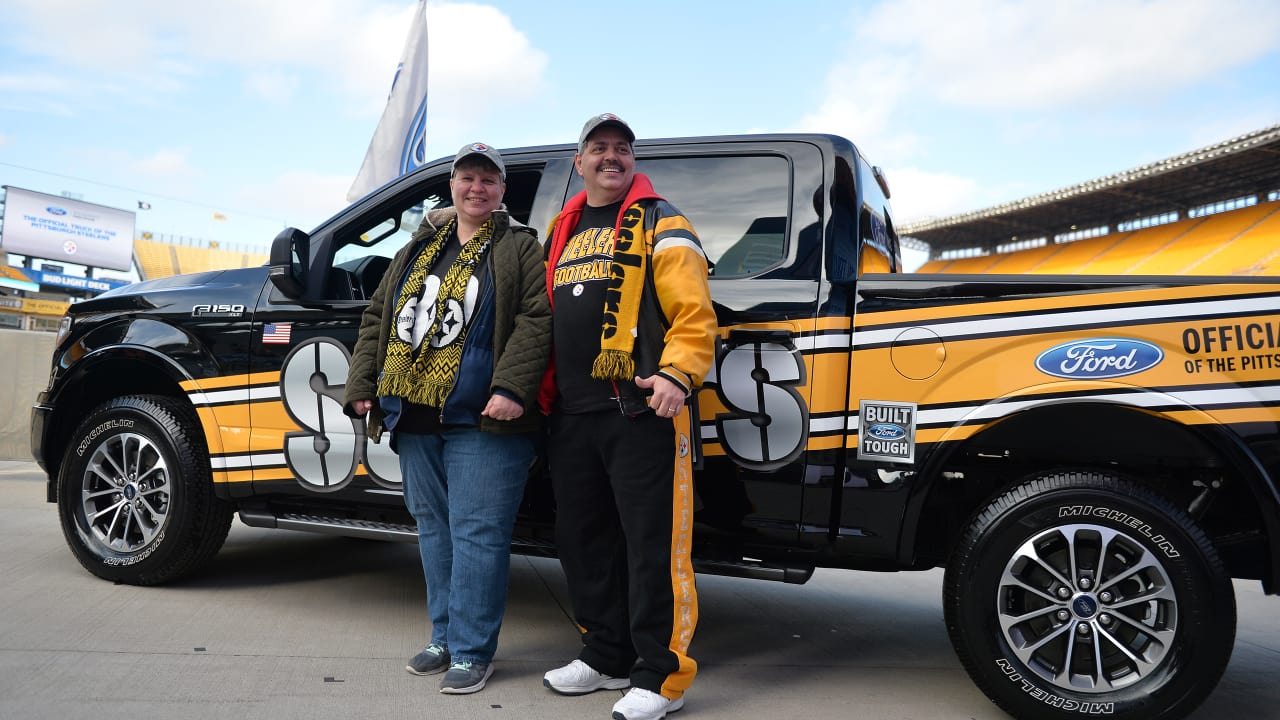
(753, 207)
(303, 442)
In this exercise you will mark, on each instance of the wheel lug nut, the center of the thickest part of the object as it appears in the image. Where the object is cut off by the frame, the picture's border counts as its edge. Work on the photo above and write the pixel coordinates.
(1085, 583)
(1083, 628)
(1105, 619)
(1106, 596)
(1063, 615)
(1064, 592)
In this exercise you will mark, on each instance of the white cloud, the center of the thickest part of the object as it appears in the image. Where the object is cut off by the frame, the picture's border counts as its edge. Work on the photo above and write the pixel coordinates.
(272, 87)
(920, 195)
(476, 55)
(1000, 63)
(41, 92)
(165, 167)
(996, 54)
(299, 199)
(868, 115)
(479, 64)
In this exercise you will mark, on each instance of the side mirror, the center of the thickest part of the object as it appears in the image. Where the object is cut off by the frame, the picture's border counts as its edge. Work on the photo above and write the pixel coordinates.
(288, 264)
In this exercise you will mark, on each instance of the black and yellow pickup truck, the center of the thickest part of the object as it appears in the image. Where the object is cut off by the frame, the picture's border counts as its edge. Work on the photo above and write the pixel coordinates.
(1092, 459)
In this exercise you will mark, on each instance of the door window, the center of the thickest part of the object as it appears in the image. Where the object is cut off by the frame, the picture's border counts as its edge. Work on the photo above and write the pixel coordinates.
(737, 205)
(365, 248)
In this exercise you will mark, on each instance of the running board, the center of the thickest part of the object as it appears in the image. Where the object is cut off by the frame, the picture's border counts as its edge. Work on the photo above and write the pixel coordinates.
(398, 532)
(754, 570)
(367, 529)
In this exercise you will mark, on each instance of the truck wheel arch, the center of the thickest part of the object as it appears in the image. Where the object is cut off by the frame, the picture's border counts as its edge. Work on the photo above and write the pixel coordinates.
(962, 476)
(132, 369)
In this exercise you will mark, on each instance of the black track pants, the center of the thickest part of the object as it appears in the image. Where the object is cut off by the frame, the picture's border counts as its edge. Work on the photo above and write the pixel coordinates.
(624, 525)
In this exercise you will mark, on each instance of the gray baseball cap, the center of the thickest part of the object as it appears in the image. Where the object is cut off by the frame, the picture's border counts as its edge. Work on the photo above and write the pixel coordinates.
(606, 119)
(487, 152)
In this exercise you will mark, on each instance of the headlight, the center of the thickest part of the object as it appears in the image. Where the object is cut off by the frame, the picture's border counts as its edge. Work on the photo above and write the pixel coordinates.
(64, 330)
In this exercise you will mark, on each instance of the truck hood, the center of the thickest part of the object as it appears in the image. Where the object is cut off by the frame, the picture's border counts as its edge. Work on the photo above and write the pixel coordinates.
(238, 286)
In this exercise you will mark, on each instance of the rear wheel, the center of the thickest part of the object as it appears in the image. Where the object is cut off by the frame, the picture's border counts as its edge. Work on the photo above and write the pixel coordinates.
(135, 495)
(1085, 593)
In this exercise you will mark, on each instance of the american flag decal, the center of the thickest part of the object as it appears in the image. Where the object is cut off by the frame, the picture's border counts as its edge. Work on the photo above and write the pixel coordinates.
(276, 333)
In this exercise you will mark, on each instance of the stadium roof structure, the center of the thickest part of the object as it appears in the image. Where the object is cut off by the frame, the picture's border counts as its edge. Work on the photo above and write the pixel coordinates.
(1242, 166)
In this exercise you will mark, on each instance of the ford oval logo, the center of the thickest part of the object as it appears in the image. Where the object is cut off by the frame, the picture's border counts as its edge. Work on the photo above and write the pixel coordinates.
(1099, 358)
(886, 431)
(55, 210)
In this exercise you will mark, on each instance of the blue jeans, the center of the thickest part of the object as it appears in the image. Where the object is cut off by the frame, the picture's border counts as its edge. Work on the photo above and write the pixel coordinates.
(463, 488)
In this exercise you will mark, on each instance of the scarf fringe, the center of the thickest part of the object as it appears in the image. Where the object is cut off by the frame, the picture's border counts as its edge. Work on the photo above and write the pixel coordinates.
(613, 365)
(413, 389)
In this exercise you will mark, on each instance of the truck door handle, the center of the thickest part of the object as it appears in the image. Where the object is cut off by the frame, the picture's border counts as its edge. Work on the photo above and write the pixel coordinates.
(760, 337)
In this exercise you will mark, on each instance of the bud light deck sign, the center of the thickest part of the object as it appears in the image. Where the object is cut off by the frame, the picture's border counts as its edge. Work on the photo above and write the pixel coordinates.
(887, 431)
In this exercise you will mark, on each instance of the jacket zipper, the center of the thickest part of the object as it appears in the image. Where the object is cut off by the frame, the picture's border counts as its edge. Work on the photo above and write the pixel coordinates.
(484, 300)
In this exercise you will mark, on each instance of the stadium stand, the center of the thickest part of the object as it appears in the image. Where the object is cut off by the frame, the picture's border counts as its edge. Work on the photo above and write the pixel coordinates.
(158, 259)
(1212, 211)
(154, 259)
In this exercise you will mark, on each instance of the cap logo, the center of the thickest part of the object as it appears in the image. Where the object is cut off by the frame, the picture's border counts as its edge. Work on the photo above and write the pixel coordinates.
(610, 116)
(480, 147)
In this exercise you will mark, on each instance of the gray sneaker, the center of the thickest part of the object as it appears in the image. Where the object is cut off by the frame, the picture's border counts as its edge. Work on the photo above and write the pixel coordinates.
(433, 659)
(465, 677)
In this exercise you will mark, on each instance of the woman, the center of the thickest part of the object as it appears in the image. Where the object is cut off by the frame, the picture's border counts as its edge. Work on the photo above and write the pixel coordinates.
(452, 348)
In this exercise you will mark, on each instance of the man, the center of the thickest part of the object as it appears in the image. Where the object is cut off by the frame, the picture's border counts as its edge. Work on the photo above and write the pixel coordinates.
(633, 335)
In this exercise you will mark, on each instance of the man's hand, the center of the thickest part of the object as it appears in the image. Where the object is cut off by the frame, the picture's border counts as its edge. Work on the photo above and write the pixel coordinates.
(501, 407)
(361, 407)
(667, 399)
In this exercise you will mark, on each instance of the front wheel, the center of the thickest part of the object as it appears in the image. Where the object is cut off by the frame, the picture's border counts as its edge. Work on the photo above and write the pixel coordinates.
(135, 495)
(1082, 593)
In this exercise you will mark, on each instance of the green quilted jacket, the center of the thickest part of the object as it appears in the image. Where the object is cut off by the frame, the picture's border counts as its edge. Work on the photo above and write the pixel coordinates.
(522, 322)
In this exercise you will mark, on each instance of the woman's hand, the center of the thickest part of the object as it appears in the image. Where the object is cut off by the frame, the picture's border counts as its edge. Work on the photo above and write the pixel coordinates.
(501, 407)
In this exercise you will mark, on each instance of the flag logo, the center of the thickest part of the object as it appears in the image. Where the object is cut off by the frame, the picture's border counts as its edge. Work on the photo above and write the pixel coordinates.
(276, 333)
(398, 145)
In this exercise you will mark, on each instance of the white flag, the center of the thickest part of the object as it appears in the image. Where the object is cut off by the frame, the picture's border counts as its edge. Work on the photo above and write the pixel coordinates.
(397, 145)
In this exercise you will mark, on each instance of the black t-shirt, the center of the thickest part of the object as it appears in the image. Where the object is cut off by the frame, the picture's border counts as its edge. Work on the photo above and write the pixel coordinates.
(581, 278)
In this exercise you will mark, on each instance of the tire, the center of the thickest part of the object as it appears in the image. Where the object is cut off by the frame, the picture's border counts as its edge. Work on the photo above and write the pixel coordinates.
(135, 496)
(1070, 568)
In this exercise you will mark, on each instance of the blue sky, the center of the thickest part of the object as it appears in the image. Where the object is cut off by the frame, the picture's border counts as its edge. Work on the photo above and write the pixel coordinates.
(262, 112)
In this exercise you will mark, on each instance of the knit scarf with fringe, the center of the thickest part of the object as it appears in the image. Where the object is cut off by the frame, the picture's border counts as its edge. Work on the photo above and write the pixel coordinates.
(427, 377)
(622, 298)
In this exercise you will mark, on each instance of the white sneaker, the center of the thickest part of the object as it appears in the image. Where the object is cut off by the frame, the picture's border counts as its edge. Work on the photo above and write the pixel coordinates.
(579, 678)
(641, 704)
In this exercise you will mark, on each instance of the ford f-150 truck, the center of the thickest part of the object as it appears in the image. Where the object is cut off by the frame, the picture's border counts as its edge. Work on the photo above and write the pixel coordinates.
(1092, 459)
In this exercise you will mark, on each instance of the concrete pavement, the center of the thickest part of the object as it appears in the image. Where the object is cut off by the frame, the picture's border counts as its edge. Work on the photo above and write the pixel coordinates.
(288, 625)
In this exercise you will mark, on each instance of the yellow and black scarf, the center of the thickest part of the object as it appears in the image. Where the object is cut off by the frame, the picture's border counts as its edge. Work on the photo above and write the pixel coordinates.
(622, 299)
(427, 377)
(628, 271)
